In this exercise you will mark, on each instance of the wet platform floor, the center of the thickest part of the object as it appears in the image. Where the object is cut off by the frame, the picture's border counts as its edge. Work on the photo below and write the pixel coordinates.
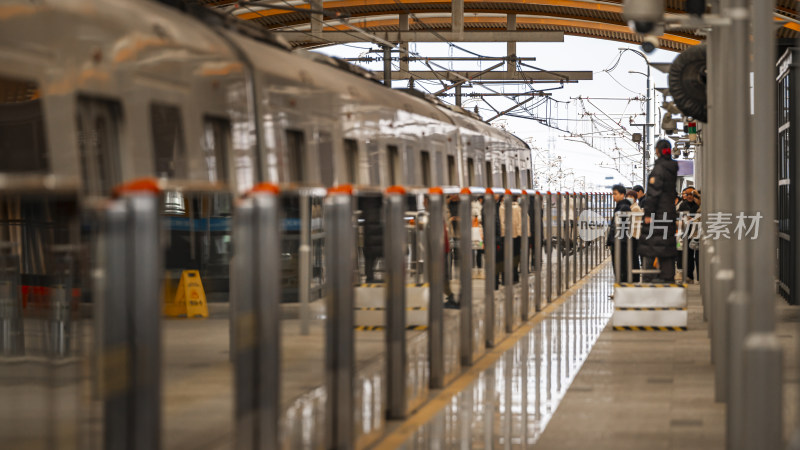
(507, 399)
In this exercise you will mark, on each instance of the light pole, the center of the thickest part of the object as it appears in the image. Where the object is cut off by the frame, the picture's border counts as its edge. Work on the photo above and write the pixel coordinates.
(647, 123)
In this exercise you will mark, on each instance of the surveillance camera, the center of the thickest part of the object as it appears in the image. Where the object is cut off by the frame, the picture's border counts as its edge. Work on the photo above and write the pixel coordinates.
(641, 26)
(649, 43)
(686, 153)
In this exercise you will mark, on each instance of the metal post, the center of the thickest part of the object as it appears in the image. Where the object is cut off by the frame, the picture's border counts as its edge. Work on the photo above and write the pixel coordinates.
(577, 262)
(763, 353)
(316, 18)
(559, 234)
(256, 324)
(584, 244)
(465, 261)
(435, 264)
(394, 254)
(629, 249)
(617, 252)
(457, 13)
(508, 261)
(537, 246)
(304, 259)
(568, 242)
(489, 259)
(549, 245)
(403, 24)
(511, 46)
(131, 337)
(340, 347)
(387, 66)
(684, 249)
(524, 258)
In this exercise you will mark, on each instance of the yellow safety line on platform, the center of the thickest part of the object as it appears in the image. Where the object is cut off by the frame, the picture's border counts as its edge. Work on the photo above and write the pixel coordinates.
(651, 285)
(401, 434)
(619, 328)
(624, 308)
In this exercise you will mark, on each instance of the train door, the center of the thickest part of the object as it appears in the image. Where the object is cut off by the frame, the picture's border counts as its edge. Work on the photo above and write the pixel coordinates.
(98, 123)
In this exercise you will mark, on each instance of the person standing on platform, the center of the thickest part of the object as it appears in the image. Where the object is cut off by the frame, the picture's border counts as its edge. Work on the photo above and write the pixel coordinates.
(636, 231)
(639, 195)
(658, 233)
(619, 238)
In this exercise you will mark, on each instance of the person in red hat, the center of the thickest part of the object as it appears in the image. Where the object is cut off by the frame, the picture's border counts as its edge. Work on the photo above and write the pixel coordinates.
(657, 240)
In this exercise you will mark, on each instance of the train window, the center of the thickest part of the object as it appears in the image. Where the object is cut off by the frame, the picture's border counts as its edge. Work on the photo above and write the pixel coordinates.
(452, 174)
(168, 143)
(471, 171)
(23, 147)
(489, 181)
(505, 176)
(517, 179)
(325, 157)
(216, 137)
(351, 160)
(295, 147)
(425, 166)
(374, 160)
(394, 165)
(98, 123)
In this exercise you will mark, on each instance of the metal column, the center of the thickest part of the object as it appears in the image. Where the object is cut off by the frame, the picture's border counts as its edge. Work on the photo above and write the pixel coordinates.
(549, 245)
(436, 261)
(130, 318)
(524, 257)
(568, 242)
(763, 357)
(340, 348)
(465, 267)
(489, 261)
(508, 260)
(559, 234)
(537, 247)
(255, 314)
(394, 245)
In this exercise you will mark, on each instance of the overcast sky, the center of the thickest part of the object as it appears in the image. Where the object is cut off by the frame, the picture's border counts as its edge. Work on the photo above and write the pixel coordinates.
(610, 99)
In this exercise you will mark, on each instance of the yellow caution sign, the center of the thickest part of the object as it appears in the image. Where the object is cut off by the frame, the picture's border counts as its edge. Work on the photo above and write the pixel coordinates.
(190, 298)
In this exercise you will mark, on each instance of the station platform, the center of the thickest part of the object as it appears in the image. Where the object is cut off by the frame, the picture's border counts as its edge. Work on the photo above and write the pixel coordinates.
(567, 380)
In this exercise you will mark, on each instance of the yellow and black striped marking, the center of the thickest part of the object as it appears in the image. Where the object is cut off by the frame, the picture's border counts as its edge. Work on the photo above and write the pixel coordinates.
(379, 328)
(623, 308)
(381, 308)
(376, 285)
(617, 328)
(651, 285)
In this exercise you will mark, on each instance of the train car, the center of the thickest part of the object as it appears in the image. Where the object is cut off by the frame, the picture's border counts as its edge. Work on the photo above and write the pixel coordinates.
(100, 92)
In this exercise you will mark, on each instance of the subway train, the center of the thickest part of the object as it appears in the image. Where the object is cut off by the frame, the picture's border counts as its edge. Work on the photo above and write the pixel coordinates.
(95, 93)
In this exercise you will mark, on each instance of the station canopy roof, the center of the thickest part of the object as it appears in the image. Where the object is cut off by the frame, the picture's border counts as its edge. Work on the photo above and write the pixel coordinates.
(595, 19)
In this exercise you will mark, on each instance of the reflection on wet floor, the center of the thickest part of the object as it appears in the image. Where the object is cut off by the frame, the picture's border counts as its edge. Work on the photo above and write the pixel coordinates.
(509, 404)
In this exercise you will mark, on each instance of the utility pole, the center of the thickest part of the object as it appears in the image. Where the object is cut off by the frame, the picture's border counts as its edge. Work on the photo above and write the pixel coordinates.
(647, 124)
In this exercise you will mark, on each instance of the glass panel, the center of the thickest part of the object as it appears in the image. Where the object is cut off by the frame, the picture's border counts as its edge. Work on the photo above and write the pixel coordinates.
(98, 123)
(370, 316)
(296, 147)
(394, 165)
(168, 143)
(45, 323)
(477, 246)
(351, 160)
(303, 313)
(425, 167)
(452, 174)
(23, 146)
(216, 140)
(197, 376)
(325, 155)
(417, 302)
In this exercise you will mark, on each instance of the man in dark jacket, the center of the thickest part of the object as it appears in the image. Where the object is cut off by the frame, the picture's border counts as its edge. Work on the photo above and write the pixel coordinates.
(623, 205)
(658, 233)
(639, 195)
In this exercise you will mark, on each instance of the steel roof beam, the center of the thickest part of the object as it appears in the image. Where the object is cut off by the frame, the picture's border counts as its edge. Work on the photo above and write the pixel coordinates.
(343, 37)
(522, 76)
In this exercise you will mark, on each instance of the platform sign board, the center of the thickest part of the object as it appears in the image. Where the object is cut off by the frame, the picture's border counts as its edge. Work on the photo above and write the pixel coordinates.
(190, 298)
